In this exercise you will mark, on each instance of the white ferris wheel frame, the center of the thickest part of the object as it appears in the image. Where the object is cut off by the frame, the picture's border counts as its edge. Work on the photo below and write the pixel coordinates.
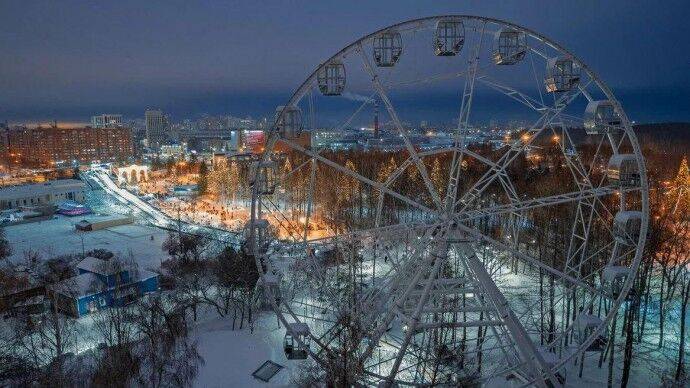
(496, 171)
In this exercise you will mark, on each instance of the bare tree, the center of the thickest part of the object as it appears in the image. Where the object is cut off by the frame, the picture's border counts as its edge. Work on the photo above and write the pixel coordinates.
(168, 356)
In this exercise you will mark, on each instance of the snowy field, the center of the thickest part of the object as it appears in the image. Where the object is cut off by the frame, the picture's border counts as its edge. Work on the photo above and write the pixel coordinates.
(231, 356)
(58, 236)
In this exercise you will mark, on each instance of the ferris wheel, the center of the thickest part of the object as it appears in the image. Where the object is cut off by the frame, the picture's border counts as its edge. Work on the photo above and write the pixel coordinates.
(449, 254)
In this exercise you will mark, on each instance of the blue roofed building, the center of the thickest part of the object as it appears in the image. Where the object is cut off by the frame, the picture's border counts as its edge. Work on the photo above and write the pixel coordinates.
(102, 284)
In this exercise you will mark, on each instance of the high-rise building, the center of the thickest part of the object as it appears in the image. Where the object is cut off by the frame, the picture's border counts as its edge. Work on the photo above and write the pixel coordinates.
(156, 128)
(106, 120)
(53, 146)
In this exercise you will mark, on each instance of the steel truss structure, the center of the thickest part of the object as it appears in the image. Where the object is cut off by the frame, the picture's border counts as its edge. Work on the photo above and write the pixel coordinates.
(475, 274)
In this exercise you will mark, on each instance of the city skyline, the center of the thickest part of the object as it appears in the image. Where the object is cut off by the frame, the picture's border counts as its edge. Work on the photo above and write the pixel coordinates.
(214, 60)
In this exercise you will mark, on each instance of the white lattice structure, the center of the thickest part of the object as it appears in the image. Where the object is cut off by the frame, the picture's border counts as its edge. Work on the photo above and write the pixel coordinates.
(421, 279)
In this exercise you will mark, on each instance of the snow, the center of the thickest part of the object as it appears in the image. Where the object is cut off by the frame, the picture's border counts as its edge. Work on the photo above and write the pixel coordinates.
(58, 236)
(95, 265)
(231, 356)
(80, 285)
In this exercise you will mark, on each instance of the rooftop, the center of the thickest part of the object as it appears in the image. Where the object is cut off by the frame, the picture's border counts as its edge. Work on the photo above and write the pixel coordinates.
(58, 236)
(80, 285)
(96, 265)
(40, 188)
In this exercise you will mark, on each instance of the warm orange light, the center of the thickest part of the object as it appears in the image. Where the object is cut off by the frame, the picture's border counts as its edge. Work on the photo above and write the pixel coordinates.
(556, 138)
(525, 138)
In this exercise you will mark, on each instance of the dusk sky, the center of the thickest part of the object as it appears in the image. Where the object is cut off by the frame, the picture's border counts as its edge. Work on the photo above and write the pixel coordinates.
(70, 59)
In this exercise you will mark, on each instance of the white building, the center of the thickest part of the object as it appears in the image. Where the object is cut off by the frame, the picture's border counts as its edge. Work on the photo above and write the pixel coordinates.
(48, 193)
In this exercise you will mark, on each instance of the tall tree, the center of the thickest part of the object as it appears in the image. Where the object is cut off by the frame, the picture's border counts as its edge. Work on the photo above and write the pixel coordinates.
(5, 248)
(202, 183)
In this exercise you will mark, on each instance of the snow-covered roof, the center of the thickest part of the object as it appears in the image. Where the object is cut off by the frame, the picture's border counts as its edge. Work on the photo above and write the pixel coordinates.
(588, 320)
(80, 285)
(612, 272)
(96, 265)
(299, 328)
(143, 274)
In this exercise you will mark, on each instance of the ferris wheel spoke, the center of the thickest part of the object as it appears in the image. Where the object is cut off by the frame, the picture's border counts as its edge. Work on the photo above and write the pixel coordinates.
(400, 287)
(463, 126)
(536, 366)
(562, 277)
(401, 130)
(412, 321)
(518, 147)
(518, 207)
(522, 98)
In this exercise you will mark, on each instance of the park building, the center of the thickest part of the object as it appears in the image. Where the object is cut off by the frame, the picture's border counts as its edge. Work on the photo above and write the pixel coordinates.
(101, 284)
(42, 194)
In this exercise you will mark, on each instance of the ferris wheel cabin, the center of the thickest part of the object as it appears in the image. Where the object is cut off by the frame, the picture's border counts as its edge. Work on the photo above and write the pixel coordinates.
(626, 226)
(266, 176)
(290, 125)
(449, 37)
(331, 79)
(622, 171)
(585, 325)
(562, 75)
(260, 229)
(267, 286)
(387, 49)
(510, 46)
(601, 118)
(296, 341)
(613, 277)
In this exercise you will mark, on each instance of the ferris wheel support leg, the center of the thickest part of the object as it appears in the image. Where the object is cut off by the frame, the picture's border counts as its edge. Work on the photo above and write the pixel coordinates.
(418, 271)
(440, 255)
(526, 348)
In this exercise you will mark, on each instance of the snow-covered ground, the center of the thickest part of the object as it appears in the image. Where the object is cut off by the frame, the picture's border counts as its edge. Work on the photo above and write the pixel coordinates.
(58, 236)
(231, 356)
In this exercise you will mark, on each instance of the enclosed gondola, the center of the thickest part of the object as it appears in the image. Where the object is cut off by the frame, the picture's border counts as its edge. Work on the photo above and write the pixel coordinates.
(614, 277)
(296, 341)
(562, 75)
(584, 326)
(387, 48)
(449, 37)
(267, 288)
(626, 226)
(623, 171)
(290, 124)
(601, 118)
(510, 46)
(331, 79)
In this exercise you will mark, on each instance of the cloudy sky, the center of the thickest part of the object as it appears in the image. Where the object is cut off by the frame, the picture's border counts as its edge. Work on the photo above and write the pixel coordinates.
(68, 59)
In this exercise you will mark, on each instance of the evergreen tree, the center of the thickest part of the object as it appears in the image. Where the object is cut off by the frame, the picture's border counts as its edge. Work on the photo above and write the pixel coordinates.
(202, 183)
(437, 178)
